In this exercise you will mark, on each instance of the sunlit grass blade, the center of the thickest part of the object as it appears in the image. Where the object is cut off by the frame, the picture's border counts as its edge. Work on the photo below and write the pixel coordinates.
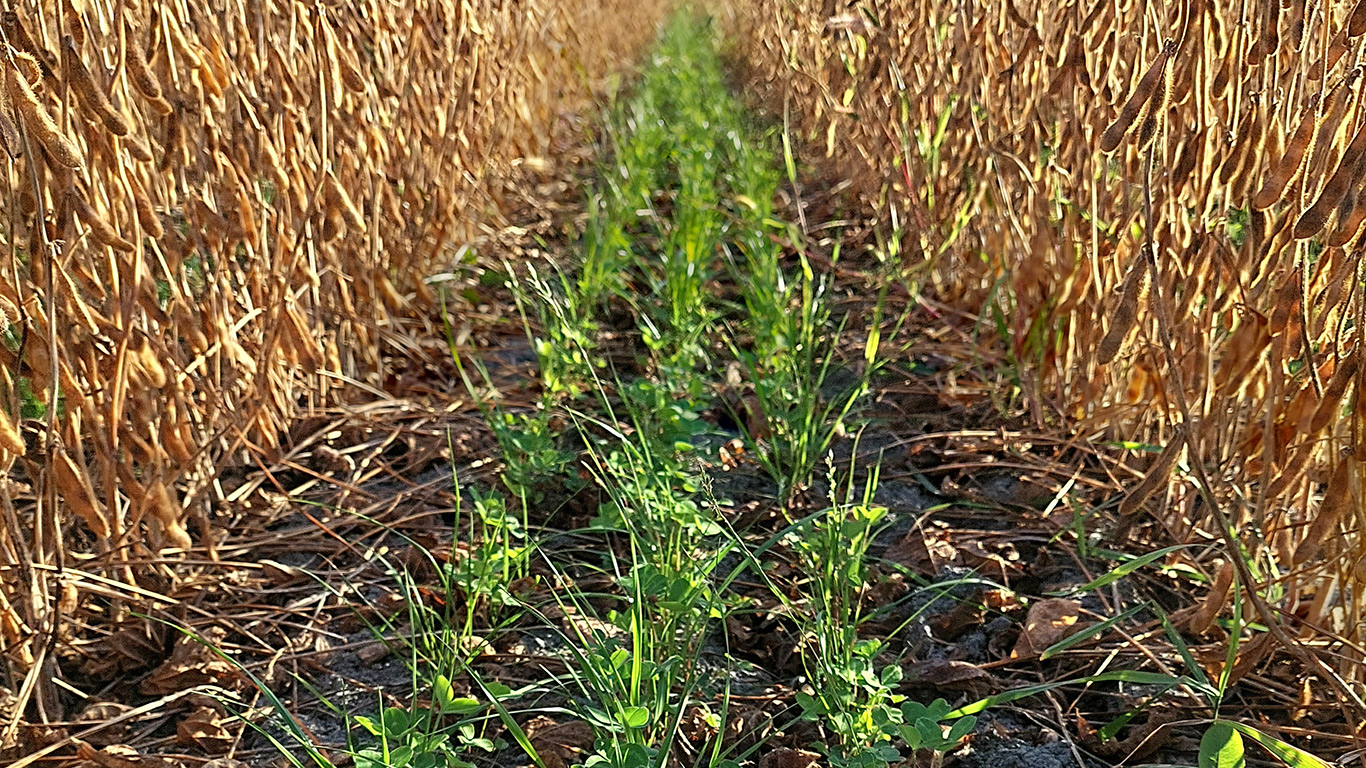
(1234, 638)
(1135, 677)
(1124, 569)
(1090, 632)
(1289, 754)
(1179, 643)
(1112, 728)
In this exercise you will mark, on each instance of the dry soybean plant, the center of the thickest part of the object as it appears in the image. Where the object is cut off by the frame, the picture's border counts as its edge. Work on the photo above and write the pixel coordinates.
(1164, 200)
(215, 212)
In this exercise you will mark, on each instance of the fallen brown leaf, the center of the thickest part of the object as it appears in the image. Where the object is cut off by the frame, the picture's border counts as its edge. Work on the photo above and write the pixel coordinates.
(967, 613)
(559, 744)
(103, 712)
(886, 590)
(192, 664)
(997, 563)
(953, 675)
(118, 756)
(923, 553)
(1001, 600)
(134, 647)
(1048, 622)
(786, 757)
(204, 728)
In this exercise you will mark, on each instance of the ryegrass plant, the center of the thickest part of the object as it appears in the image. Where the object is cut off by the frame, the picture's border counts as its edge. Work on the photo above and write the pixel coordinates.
(657, 221)
(495, 554)
(564, 338)
(674, 144)
(635, 686)
(788, 338)
(790, 362)
(850, 696)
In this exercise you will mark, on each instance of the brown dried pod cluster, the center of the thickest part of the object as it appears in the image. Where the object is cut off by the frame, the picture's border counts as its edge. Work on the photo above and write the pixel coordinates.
(1254, 126)
(1154, 86)
(171, 295)
(38, 123)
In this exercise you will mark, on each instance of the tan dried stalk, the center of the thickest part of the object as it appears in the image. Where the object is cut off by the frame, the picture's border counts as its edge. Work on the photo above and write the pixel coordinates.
(1297, 160)
(162, 271)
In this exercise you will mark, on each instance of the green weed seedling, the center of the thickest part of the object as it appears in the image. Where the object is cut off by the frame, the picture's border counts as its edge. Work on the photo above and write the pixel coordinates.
(634, 669)
(1222, 744)
(434, 641)
(531, 455)
(606, 251)
(497, 554)
(564, 347)
(437, 641)
(654, 410)
(788, 339)
(439, 736)
(793, 355)
(446, 734)
(634, 684)
(668, 136)
(922, 727)
(872, 733)
(851, 696)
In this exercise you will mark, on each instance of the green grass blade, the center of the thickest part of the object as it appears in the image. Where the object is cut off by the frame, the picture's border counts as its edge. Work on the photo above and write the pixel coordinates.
(1289, 754)
(509, 722)
(1123, 570)
(1089, 632)
(1122, 676)
(1196, 671)
(1234, 636)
